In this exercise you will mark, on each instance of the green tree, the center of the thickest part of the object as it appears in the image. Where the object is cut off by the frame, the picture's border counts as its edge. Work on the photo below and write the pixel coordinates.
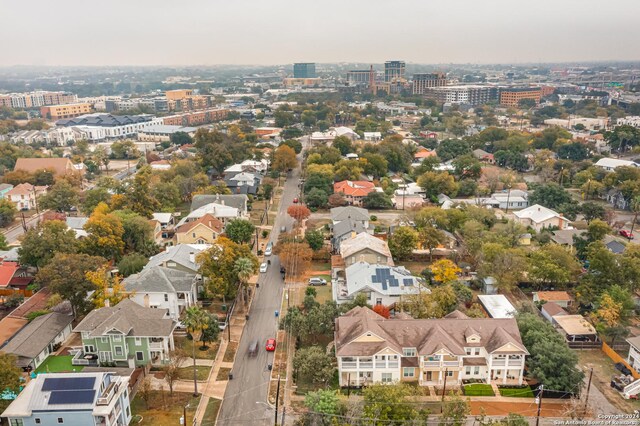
(436, 183)
(284, 158)
(105, 234)
(138, 233)
(343, 144)
(240, 231)
(3, 242)
(323, 401)
(139, 196)
(10, 377)
(591, 211)
(7, 213)
(377, 201)
(41, 243)
(552, 264)
(245, 268)
(550, 360)
(506, 265)
(124, 149)
(180, 138)
(312, 365)
(550, 195)
(196, 320)
(402, 242)
(62, 196)
(315, 239)
(316, 198)
(66, 275)
(455, 411)
(132, 264)
(210, 333)
(378, 410)
(430, 237)
(167, 194)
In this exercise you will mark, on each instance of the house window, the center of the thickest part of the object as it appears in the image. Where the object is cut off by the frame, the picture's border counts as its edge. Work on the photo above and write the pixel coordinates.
(140, 356)
(468, 370)
(60, 420)
(104, 339)
(379, 301)
(408, 351)
(468, 351)
(37, 419)
(118, 350)
(166, 297)
(16, 422)
(387, 377)
(128, 411)
(117, 338)
(89, 348)
(408, 372)
(476, 370)
(449, 373)
(193, 235)
(138, 341)
(476, 351)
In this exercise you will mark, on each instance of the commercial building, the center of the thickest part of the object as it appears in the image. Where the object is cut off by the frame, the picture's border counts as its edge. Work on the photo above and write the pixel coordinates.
(107, 126)
(195, 118)
(302, 82)
(461, 94)
(394, 71)
(162, 132)
(359, 77)
(424, 81)
(36, 99)
(57, 112)
(610, 164)
(632, 120)
(513, 95)
(304, 70)
(100, 399)
(372, 349)
(178, 94)
(59, 166)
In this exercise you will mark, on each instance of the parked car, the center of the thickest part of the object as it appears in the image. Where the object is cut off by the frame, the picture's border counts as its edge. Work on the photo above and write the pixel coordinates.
(269, 249)
(295, 200)
(263, 267)
(623, 369)
(626, 234)
(271, 345)
(283, 229)
(253, 348)
(317, 281)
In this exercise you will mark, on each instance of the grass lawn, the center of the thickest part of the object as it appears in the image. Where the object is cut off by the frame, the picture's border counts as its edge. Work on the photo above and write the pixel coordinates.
(478, 389)
(524, 392)
(323, 292)
(211, 413)
(202, 372)
(58, 364)
(223, 373)
(164, 409)
(230, 353)
(187, 345)
(320, 266)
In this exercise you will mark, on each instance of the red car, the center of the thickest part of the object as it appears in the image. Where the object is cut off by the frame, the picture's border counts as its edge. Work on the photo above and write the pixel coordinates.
(626, 234)
(295, 200)
(271, 345)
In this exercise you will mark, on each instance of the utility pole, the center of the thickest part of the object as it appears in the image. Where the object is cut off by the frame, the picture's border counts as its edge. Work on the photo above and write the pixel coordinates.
(539, 404)
(586, 399)
(444, 389)
(275, 422)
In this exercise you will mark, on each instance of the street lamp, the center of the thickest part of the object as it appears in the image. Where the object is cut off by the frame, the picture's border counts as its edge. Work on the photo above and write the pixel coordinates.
(183, 420)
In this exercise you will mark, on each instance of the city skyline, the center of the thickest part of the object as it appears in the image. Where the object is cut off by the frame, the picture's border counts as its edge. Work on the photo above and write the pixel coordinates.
(146, 33)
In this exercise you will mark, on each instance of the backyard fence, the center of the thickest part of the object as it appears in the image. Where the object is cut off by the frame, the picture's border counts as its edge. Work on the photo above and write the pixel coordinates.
(615, 357)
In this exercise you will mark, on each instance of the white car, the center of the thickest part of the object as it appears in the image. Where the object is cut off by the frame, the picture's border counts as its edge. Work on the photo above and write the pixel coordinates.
(263, 267)
(268, 250)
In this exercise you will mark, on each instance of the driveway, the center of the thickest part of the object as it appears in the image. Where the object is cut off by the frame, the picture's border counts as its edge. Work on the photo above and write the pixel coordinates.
(245, 399)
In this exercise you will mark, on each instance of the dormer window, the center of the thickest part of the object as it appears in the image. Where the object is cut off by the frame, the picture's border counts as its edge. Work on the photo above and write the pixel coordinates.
(408, 352)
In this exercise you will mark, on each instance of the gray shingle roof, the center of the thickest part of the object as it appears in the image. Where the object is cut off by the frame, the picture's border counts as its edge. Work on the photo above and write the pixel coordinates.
(159, 279)
(34, 337)
(180, 254)
(346, 227)
(350, 212)
(129, 318)
(239, 201)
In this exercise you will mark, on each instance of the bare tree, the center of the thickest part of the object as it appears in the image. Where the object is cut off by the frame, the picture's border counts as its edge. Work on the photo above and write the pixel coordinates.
(145, 391)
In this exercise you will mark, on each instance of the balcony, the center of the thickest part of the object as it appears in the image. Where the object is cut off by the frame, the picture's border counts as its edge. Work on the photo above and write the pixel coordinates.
(349, 365)
(498, 363)
(393, 364)
(108, 394)
(431, 363)
(366, 364)
(381, 364)
(515, 363)
(451, 363)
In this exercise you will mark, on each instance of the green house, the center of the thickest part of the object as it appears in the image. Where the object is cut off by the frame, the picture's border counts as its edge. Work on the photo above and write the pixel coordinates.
(125, 335)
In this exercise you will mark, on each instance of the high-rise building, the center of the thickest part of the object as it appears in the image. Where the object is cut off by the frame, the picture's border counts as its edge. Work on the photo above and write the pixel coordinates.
(304, 70)
(424, 81)
(471, 94)
(513, 95)
(358, 77)
(394, 71)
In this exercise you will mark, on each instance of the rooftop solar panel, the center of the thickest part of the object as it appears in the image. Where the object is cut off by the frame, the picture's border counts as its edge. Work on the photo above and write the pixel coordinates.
(72, 397)
(68, 383)
(407, 281)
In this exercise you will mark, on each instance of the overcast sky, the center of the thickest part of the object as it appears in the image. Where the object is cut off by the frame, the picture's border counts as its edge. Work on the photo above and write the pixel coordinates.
(208, 32)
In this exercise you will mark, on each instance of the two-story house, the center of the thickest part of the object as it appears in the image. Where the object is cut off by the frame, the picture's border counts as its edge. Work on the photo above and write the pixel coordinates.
(181, 257)
(163, 288)
(354, 191)
(633, 359)
(77, 399)
(25, 195)
(127, 334)
(204, 230)
(238, 201)
(365, 247)
(372, 349)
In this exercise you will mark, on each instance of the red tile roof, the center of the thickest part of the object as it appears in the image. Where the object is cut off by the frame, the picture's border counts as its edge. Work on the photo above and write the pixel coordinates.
(354, 188)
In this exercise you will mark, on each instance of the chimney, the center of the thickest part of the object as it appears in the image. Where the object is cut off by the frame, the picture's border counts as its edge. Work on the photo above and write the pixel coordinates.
(192, 257)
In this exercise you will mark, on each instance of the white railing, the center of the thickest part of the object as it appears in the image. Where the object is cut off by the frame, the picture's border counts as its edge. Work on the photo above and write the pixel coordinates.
(381, 364)
(498, 363)
(108, 394)
(366, 364)
(515, 363)
(451, 363)
(393, 364)
(431, 363)
(349, 364)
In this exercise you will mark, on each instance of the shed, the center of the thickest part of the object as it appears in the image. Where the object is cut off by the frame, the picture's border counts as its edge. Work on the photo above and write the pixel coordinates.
(550, 310)
(497, 305)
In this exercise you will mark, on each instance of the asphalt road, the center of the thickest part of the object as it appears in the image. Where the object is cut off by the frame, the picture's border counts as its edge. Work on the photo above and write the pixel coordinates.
(245, 399)
(14, 233)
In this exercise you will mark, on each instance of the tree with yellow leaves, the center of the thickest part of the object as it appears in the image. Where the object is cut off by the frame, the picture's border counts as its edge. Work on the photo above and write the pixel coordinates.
(107, 288)
(445, 271)
(105, 234)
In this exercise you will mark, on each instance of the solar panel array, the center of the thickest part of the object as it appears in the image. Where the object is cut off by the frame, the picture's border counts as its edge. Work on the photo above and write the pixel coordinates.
(407, 282)
(385, 278)
(70, 390)
(72, 397)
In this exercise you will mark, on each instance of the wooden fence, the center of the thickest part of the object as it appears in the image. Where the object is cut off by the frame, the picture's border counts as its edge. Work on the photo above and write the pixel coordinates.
(617, 358)
(10, 292)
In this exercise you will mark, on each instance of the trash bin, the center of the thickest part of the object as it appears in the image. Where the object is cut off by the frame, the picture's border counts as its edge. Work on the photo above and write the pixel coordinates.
(247, 317)
(269, 367)
(230, 375)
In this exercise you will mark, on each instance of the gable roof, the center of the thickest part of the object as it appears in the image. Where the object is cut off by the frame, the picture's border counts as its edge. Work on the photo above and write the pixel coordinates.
(129, 318)
(162, 217)
(538, 214)
(34, 337)
(7, 271)
(384, 279)
(551, 296)
(354, 213)
(346, 227)
(426, 335)
(239, 201)
(553, 309)
(180, 254)
(61, 166)
(363, 241)
(207, 220)
(158, 279)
